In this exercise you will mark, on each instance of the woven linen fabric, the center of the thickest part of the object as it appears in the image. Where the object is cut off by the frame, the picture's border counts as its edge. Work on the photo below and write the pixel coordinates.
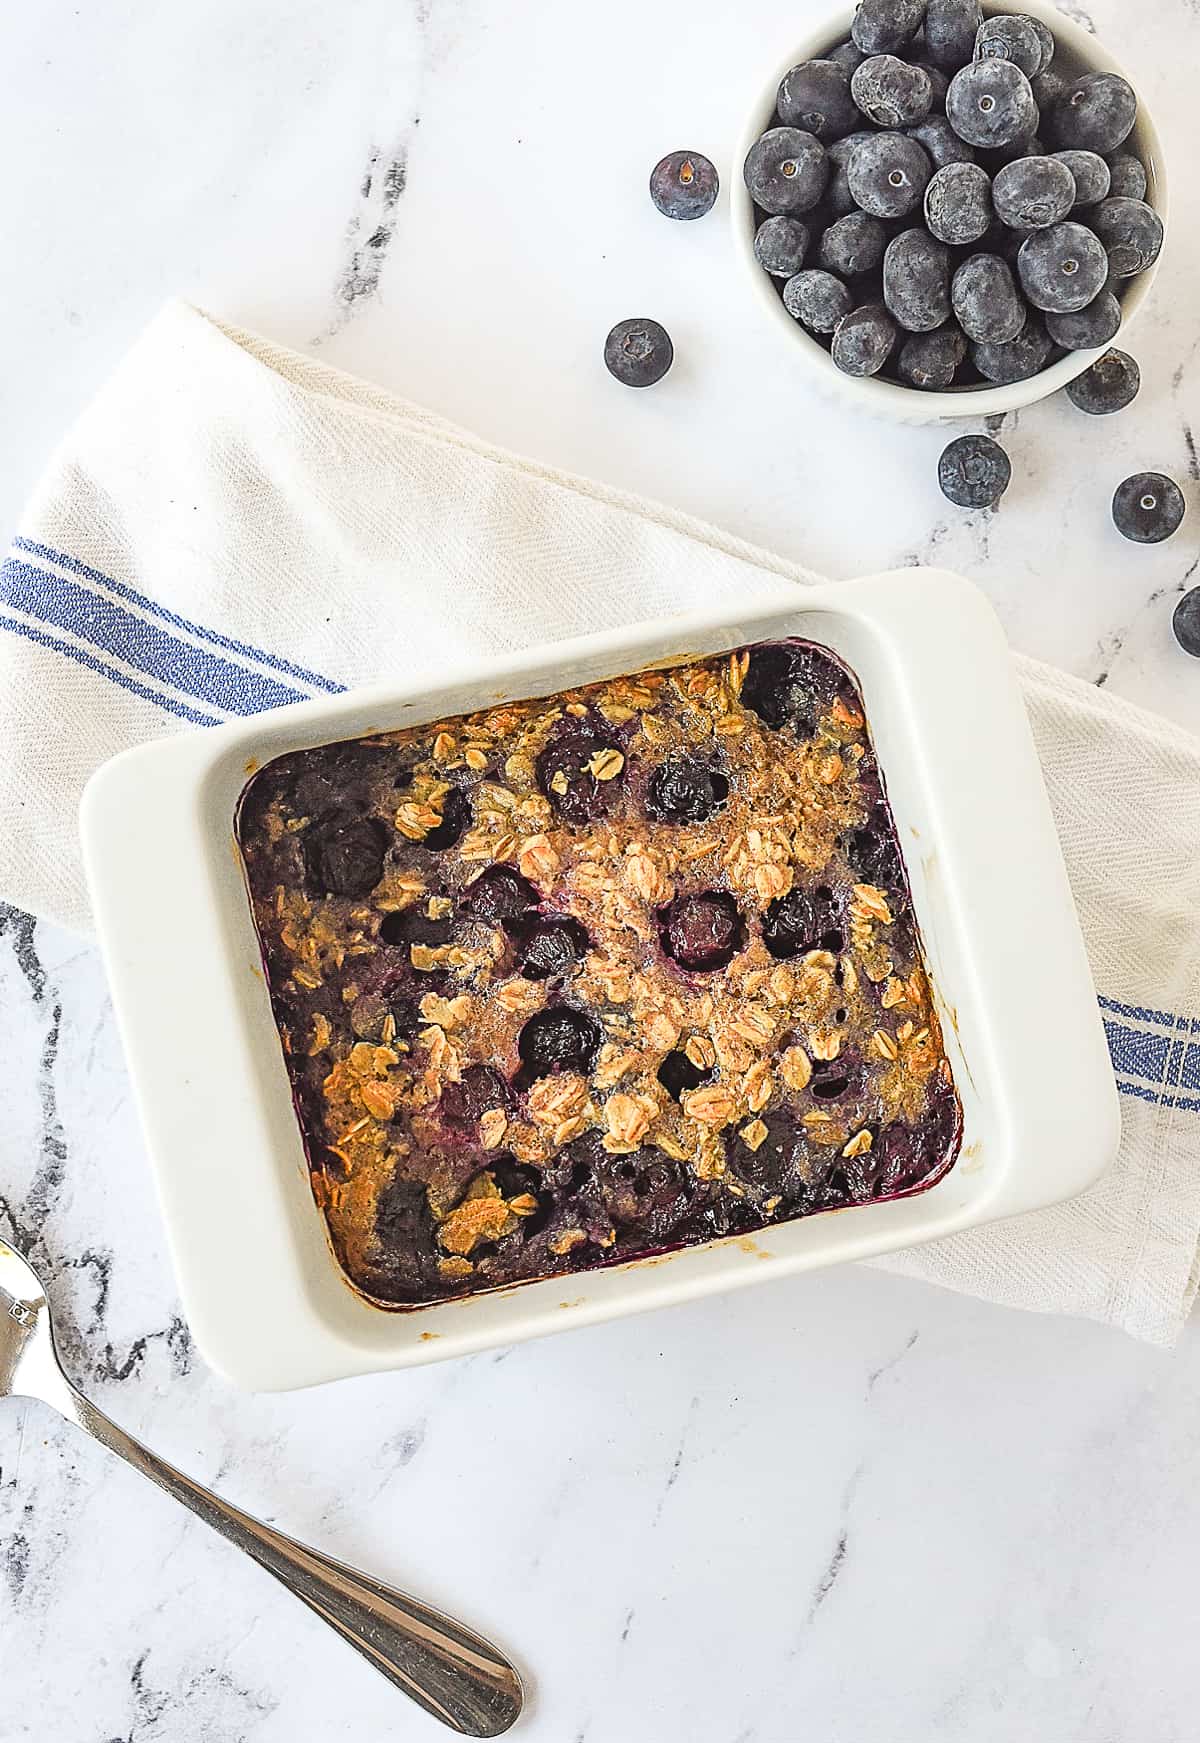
(231, 526)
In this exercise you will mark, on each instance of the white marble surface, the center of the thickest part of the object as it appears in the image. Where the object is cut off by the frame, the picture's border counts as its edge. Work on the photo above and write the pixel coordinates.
(845, 1507)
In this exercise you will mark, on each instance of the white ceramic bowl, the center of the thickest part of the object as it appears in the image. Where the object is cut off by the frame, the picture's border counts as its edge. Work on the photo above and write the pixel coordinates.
(262, 1291)
(1077, 53)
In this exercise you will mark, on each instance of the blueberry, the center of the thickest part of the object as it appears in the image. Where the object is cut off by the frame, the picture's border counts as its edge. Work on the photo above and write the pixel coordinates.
(1096, 113)
(974, 472)
(802, 920)
(873, 853)
(1048, 87)
(1185, 622)
(951, 27)
(638, 352)
(864, 339)
(853, 245)
(406, 1240)
(559, 1039)
(1019, 360)
(817, 300)
(990, 103)
(780, 1159)
(939, 83)
(1148, 508)
(916, 281)
(779, 688)
(941, 143)
(370, 1011)
(1091, 175)
(986, 300)
(1063, 268)
(456, 820)
(1032, 193)
(996, 160)
(958, 204)
(1087, 328)
(840, 200)
(552, 945)
(684, 185)
(1109, 385)
(500, 896)
(816, 97)
(344, 854)
(847, 55)
(702, 932)
(780, 245)
(566, 770)
(683, 790)
(481, 1087)
(891, 92)
(888, 175)
(931, 360)
(1045, 37)
(1128, 179)
(834, 1078)
(412, 925)
(883, 26)
(1131, 231)
(1010, 37)
(786, 171)
(678, 1075)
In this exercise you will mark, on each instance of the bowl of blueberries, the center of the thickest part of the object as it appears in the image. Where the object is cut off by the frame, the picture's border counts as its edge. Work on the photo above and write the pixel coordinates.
(950, 209)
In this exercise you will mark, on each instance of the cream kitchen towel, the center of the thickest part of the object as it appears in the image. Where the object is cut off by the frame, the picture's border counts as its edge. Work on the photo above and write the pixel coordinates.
(231, 526)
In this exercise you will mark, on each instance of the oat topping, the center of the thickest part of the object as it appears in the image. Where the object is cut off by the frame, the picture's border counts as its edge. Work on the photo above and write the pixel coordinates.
(572, 980)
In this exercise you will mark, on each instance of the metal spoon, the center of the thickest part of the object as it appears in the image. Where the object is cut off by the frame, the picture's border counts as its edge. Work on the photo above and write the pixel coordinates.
(453, 1673)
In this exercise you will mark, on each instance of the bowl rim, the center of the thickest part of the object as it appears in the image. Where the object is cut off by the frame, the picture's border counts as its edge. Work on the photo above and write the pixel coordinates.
(894, 399)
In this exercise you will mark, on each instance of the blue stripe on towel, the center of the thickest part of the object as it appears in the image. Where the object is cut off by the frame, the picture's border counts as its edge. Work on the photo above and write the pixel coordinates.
(105, 671)
(229, 643)
(203, 676)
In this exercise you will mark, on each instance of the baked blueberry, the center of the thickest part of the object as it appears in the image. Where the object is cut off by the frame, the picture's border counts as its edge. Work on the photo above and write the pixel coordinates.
(1063, 269)
(958, 204)
(580, 769)
(780, 245)
(1109, 385)
(817, 300)
(873, 853)
(786, 171)
(1127, 176)
(815, 97)
(559, 1039)
(500, 896)
(891, 92)
(838, 196)
(702, 932)
(778, 1160)
(1096, 113)
(413, 925)
(852, 246)
(638, 352)
(1085, 329)
(1091, 175)
(951, 28)
(1010, 37)
(405, 1241)
(1019, 360)
(1185, 622)
(888, 174)
(990, 104)
(986, 300)
(456, 820)
(883, 26)
(779, 687)
(941, 143)
(481, 1087)
(864, 339)
(370, 1012)
(684, 185)
(802, 920)
(974, 472)
(931, 360)
(1131, 231)
(552, 945)
(916, 281)
(678, 1074)
(683, 790)
(344, 854)
(1031, 193)
(1148, 508)
(834, 1079)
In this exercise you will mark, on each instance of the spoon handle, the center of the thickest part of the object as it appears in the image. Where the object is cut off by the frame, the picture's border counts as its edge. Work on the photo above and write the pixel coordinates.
(450, 1671)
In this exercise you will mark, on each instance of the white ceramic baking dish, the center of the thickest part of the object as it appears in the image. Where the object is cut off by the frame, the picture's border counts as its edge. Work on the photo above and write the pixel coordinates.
(263, 1294)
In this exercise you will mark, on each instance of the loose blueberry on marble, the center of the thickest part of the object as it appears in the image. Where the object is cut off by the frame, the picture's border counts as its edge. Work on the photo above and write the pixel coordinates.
(1148, 508)
(891, 92)
(986, 300)
(1108, 386)
(888, 175)
(817, 299)
(683, 790)
(638, 352)
(1010, 37)
(1095, 113)
(974, 472)
(1131, 231)
(780, 246)
(702, 932)
(1127, 176)
(786, 171)
(1090, 173)
(864, 340)
(951, 30)
(884, 26)
(345, 854)
(553, 945)
(1031, 193)
(500, 896)
(1087, 328)
(916, 281)
(930, 361)
(815, 97)
(559, 1039)
(854, 245)
(941, 143)
(1019, 360)
(990, 104)
(958, 204)
(800, 921)
(684, 185)
(1185, 622)
(1064, 268)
